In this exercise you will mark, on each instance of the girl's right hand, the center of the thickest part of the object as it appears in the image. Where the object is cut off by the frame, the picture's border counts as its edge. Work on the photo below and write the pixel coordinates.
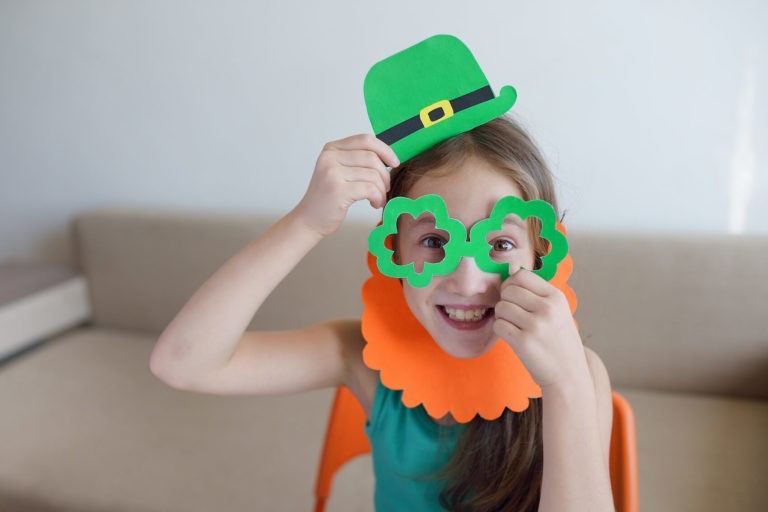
(347, 171)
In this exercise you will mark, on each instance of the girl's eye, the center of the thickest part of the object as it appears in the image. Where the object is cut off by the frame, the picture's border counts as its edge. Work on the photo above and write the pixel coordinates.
(432, 242)
(502, 245)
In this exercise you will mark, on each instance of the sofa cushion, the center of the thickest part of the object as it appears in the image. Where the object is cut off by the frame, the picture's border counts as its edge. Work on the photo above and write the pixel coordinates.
(93, 431)
(85, 426)
(699, 453)
(676, 312)
(143, 265)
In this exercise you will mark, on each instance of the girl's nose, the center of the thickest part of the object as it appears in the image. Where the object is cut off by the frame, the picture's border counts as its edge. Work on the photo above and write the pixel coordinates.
(468, 280)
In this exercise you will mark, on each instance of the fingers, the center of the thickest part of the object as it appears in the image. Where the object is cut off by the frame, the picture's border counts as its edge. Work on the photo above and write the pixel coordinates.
(360, 161)
(527, 280)
(531, 303)
(366, 184)
(365, 159)
(362, 190)
(507, 330)
(524, 297)
(369, 143)
(513, 314)
(346, 171)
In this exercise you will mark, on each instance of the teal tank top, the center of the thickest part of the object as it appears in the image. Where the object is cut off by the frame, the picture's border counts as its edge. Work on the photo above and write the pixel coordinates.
(407, 449)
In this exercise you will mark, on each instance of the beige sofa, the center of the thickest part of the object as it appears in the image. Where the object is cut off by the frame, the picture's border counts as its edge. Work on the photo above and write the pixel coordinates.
(681, 322)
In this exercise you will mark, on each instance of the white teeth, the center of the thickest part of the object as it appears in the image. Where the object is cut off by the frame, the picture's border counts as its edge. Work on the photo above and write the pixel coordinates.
(465, 315)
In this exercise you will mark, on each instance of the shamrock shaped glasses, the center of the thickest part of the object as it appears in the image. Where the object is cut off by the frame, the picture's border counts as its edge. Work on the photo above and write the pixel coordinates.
(458, 246)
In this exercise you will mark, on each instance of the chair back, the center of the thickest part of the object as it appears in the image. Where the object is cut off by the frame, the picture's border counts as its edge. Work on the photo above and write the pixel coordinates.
(623, 456)
(345, 438)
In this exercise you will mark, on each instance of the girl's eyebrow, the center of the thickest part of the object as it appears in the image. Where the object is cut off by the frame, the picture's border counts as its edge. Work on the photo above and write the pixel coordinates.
(514, 220)
(425, 219)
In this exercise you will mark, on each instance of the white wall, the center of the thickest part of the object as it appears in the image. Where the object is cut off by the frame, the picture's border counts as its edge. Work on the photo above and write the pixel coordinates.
(653, 113)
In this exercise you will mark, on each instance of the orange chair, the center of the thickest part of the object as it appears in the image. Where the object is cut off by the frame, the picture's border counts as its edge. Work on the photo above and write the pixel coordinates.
(345, 439)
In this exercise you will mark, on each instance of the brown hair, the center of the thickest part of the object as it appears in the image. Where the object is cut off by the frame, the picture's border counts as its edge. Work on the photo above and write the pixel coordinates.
(497, 465)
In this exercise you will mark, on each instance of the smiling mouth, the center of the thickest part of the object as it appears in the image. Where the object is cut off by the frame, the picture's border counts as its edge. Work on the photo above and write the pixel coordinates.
(474, 315)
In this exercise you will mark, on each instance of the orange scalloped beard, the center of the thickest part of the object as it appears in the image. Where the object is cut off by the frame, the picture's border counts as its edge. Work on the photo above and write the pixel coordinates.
(409, 359)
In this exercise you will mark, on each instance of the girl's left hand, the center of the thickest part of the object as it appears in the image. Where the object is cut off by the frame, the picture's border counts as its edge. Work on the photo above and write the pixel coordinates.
(533, 316)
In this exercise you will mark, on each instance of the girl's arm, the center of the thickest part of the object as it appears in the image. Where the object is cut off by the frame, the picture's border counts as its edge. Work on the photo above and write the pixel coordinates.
(533, 316)
(205, 347)
(577, 421)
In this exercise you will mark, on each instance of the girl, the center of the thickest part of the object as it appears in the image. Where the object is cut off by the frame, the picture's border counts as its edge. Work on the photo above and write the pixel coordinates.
(551, 457)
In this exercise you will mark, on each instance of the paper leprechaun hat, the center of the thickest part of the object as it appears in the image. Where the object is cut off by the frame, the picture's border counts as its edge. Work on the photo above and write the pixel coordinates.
(428, 93)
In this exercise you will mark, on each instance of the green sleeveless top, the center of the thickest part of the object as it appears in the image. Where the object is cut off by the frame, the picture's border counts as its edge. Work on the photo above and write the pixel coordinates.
(408, 448)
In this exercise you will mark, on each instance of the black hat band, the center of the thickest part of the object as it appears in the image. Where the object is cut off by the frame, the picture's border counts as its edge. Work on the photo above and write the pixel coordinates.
(435, 113)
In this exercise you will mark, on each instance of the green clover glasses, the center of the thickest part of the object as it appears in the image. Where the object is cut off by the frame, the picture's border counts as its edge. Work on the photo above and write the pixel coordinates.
(441, 257)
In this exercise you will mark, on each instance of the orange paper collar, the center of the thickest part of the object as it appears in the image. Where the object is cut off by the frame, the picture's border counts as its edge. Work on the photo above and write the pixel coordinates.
(408, 359)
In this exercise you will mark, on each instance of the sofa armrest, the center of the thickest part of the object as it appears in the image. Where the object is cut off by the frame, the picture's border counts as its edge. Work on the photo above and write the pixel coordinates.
(37, 301)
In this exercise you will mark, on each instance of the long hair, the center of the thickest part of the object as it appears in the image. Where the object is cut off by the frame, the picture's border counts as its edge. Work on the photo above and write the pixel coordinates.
(497, 465)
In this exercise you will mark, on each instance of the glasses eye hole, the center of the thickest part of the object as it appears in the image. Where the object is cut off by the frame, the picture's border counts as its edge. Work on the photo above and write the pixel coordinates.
(419, 241)
(508, 244)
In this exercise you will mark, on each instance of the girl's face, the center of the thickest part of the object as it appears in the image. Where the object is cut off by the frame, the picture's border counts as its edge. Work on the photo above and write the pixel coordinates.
(458, 309)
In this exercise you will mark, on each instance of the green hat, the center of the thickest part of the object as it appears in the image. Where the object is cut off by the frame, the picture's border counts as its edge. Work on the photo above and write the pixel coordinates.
(428, 93)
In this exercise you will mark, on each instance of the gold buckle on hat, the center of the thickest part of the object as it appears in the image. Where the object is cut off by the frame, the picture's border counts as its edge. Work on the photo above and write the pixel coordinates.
(446, 107)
